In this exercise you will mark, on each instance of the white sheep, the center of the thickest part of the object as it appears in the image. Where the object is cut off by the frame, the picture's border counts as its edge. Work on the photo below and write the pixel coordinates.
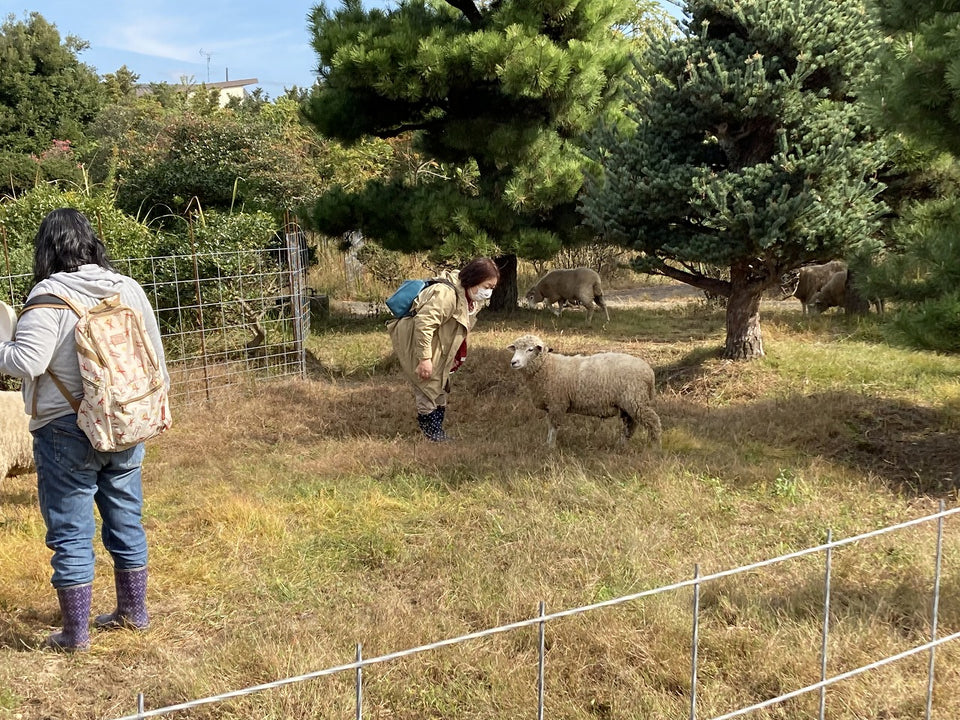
(602, 385)
(16, 442)
(577, 286)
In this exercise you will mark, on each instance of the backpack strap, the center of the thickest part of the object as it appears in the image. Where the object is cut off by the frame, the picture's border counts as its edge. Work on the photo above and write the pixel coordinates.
(49, 300)
(54, 302)
(428, 283)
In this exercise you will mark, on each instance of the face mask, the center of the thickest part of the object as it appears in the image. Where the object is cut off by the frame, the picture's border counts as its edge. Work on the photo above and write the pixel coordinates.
(483, 294)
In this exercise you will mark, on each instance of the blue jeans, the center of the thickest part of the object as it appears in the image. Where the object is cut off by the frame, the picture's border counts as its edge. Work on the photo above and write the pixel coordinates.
(71, 477)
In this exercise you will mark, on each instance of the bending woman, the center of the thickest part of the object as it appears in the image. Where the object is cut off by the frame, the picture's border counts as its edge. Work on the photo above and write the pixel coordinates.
(432, 342)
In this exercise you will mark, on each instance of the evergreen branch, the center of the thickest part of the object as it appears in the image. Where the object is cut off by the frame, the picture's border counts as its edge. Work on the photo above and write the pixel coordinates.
(397, 130)
(714, 286)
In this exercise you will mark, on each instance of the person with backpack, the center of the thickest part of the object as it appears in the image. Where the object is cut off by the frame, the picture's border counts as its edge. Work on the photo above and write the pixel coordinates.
(431, 341)
(70, 263)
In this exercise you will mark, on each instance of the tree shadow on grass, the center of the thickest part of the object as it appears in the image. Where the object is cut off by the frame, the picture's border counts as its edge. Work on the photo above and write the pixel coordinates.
(913, 449)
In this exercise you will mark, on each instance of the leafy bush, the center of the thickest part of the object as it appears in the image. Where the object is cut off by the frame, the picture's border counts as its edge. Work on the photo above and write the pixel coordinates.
(20, 219)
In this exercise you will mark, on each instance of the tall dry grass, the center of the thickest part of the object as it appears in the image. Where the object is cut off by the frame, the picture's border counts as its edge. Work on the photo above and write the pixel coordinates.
(291, 520)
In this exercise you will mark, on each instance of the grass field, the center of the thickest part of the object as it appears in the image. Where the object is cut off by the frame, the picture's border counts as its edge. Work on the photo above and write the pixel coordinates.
(292, 520)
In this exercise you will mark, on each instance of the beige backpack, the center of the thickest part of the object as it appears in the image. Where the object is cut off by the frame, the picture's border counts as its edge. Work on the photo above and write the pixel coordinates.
(124, 396)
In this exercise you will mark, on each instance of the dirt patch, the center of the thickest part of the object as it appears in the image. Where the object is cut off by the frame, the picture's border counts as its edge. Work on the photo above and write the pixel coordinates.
(656, 294)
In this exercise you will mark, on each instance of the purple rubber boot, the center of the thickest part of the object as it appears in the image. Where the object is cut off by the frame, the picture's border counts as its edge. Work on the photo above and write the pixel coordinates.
(131, 609)
(75, 615)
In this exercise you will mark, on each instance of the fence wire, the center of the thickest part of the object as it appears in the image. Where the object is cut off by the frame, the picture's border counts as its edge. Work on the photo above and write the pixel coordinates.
(543, 618)
(223, 316)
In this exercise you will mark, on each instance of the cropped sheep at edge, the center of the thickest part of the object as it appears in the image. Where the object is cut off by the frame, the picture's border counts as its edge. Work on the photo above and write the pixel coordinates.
(16, 442)
(576, 286)
(813, 277)
(601, 385)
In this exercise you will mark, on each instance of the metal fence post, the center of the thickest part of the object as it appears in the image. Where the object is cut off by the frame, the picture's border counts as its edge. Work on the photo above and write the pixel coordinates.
(935, 612)
(140, 705)
(359, 682)
(542, 653)
(826, 624)
(299, 307)
(6, 257)
(695, 642)
(203, 331)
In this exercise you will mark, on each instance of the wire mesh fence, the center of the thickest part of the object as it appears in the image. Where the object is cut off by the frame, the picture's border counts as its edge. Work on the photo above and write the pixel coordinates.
(935, 638)
(223, 316)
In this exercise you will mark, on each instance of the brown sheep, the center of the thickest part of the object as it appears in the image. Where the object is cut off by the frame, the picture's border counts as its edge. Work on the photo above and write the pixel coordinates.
(577, 286)
(839, 291)
(814, 277)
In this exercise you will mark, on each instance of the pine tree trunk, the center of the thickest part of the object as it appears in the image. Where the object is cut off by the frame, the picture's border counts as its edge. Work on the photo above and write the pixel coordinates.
(744, 341)
(505, 294)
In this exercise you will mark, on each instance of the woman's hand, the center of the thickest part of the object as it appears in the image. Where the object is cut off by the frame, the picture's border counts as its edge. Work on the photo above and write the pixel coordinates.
(425, 369)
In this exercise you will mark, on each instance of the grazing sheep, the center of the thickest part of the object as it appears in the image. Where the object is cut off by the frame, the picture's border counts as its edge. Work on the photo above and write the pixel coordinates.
(579, 286)
(814, 277)
(602, 385)
(16, 442)
(839, 291)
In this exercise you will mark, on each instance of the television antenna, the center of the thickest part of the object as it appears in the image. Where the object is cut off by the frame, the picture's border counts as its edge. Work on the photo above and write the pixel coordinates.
(207, 55)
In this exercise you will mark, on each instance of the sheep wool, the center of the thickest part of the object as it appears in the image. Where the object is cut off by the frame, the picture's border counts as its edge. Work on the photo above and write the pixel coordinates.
(601, 385)
(577, 286)
(812, 278)
(16, 442)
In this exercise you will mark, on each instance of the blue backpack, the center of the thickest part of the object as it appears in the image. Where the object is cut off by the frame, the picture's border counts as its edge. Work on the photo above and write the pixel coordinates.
(402, 300)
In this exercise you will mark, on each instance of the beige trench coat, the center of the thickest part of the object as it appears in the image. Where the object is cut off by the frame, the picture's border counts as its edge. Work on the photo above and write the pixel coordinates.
(436, 331)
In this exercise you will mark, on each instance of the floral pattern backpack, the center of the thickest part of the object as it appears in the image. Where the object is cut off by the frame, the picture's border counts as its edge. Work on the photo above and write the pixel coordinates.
(124, 395)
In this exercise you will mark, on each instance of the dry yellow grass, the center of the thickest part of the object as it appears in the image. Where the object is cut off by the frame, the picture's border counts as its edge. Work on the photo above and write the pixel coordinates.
(292, 520)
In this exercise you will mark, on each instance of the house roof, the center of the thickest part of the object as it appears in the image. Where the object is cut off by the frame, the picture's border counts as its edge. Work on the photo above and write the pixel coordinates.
(231, 83)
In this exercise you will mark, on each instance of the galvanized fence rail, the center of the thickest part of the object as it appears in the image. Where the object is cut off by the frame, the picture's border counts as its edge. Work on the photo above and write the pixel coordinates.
(542, 618)
(224, 316)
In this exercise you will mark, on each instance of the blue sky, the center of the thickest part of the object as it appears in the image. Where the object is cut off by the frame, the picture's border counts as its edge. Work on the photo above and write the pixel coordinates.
(162, 41)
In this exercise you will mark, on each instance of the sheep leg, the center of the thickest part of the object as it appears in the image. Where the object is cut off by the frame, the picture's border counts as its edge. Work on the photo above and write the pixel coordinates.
(600, 303)
(629, 425)
(552, 436)
(554, 425)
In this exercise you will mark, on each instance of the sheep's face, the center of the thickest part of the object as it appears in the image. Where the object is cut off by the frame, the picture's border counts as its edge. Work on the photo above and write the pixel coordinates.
(524, 352)
(819, 303)
(533, 297)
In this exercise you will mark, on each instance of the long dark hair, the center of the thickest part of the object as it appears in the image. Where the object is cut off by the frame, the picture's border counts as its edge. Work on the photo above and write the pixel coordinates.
(64, 242)
(478, 271)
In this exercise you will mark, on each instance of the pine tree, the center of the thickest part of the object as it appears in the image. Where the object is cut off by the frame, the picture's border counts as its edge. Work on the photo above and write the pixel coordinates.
(920, 97)
(749, 153)
(496, 97)
(921, 81)
(46, 93)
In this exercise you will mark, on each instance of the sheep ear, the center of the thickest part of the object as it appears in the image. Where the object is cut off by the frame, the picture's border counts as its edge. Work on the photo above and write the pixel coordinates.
(550, 350)
(512, 347)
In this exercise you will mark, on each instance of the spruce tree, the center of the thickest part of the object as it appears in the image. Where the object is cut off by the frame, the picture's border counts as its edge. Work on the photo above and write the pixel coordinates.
(496, 97)
(749, 152)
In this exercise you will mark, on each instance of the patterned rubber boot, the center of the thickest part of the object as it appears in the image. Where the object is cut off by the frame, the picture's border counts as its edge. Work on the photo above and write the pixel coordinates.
(432, 425)
(131, 612)
(443, 436)
(75, 614)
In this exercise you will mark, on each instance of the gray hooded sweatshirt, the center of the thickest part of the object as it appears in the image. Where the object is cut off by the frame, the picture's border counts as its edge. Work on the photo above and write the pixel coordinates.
(45, 337)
